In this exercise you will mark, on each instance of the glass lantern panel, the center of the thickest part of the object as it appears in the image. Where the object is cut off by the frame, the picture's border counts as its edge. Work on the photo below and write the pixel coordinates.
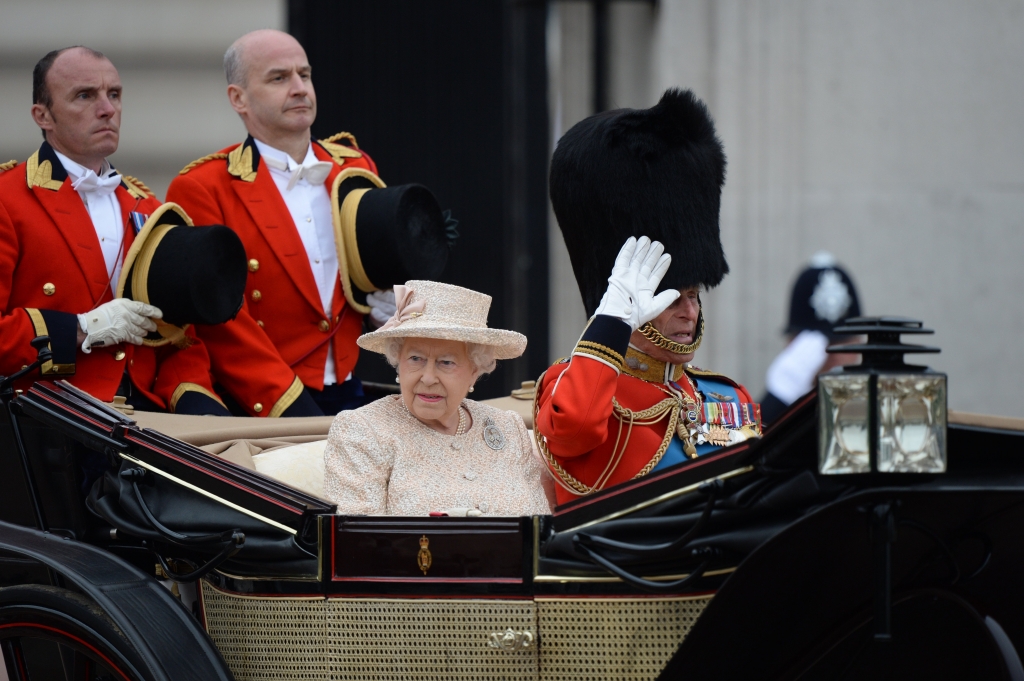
(911, 423)
(843, 406)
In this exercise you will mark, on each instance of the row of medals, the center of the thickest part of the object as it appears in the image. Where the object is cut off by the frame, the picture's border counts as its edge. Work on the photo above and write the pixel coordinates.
(692, 432)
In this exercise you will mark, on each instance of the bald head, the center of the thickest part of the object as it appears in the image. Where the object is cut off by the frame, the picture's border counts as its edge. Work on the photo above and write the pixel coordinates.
(270, 86)
(236, 59)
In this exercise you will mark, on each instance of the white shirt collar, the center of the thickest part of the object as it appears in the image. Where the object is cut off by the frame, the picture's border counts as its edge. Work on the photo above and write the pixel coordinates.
(77, 170)
(267, 150)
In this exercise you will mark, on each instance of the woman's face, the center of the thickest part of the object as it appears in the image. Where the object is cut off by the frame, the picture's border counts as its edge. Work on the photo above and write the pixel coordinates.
(435, 376)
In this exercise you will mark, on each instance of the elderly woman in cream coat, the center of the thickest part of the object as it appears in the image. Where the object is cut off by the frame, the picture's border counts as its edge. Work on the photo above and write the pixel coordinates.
(430, 449)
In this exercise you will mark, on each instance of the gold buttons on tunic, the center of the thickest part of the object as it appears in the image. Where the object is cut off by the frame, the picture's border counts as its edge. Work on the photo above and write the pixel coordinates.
(258, 407)
(49, 289)
(259, 323)
(257, 296)
(325, 325)
(254, 265)
(119, 355)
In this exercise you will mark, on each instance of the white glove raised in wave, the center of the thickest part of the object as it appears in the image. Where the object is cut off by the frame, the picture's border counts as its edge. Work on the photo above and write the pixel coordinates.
(638, 270)
(382, 306)
(118, 321)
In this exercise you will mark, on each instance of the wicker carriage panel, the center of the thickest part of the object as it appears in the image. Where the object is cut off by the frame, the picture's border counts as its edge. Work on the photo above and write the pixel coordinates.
(595, 638)
(264, 639)
(427, 639)
(270, 638)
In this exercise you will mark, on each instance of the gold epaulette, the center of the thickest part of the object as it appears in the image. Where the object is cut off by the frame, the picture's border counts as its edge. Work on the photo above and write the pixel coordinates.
(342, 136)
(201, 161)
(138, 184)
(341, 153)
(696, 371)
(7, 166)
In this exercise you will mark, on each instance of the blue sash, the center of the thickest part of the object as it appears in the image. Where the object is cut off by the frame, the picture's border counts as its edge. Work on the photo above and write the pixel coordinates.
(714, 391)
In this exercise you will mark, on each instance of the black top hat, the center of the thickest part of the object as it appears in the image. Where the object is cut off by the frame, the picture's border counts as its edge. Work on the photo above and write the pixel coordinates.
(195, 275)
(385, 235)
(654, 172)
(823, 296)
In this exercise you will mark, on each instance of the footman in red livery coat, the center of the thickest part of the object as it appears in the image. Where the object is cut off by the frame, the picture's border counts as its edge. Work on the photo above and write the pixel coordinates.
(65, 226)
(628, 401)
(291, 350)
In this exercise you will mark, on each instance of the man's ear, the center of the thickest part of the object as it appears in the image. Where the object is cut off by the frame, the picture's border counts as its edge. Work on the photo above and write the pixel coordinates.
(237, 98)
(42, 117)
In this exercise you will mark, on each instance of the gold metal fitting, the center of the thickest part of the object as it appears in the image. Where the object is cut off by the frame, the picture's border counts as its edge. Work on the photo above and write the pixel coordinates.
(49, 289)
(254, 265)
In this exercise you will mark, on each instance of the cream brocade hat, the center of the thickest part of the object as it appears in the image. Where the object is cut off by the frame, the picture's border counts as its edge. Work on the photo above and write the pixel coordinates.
(429, 309)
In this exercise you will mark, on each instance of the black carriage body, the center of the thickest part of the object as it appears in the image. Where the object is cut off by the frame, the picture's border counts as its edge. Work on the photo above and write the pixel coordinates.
(771, 552)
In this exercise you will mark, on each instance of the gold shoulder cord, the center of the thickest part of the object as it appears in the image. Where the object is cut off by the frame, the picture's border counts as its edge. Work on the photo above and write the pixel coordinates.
(670, 406)
(333, 139)
(201, 161)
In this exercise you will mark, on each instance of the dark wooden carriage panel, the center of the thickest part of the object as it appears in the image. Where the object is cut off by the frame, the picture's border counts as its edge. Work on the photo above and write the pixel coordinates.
(390, 548)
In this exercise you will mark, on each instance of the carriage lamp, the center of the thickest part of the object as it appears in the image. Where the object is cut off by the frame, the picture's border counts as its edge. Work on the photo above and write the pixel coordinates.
(882, 415)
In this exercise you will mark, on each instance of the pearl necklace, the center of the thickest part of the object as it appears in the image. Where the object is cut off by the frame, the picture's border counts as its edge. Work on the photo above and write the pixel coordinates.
(461, 430)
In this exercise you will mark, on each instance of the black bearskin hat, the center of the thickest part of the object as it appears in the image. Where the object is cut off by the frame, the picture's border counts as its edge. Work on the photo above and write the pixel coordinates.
(654, 172)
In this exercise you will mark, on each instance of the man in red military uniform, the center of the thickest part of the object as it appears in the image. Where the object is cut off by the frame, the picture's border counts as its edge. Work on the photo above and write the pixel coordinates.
(291, 350)
(65, 226)
(628, 402)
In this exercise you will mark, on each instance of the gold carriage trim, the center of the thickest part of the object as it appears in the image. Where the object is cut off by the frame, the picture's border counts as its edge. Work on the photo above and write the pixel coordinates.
(200, 161)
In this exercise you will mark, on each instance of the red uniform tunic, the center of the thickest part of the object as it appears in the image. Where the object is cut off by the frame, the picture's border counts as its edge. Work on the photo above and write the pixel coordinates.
(52, 269)
(589, 447)
(279, 340)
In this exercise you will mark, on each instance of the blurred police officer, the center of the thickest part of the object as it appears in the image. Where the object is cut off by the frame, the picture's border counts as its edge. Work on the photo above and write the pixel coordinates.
(822, 297)
(65, 226)
(291, 350)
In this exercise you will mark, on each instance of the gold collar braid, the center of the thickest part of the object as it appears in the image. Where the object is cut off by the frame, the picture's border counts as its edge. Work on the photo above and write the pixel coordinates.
(652, 334)
(641, 365)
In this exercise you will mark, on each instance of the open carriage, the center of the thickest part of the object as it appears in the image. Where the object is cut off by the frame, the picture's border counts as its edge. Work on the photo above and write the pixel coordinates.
(126, 553)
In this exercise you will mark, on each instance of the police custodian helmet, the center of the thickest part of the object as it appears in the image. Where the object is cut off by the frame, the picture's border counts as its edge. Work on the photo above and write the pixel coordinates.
(823, 296)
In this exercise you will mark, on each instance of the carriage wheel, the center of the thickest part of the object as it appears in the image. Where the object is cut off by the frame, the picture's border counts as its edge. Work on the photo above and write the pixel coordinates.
(51, 633)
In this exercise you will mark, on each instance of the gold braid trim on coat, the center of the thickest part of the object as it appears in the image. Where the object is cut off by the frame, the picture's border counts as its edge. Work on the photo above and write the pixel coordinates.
(342, 136)
(647, 417)
(201, 161)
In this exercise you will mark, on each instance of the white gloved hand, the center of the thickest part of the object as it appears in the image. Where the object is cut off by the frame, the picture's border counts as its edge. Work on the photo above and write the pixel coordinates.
(792, 373)
(118, 321)
(638, 270)
(382, 306)
(463, 512)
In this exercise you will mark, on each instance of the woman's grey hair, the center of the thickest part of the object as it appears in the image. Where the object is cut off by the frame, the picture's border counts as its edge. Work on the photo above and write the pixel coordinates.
(482, 356)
